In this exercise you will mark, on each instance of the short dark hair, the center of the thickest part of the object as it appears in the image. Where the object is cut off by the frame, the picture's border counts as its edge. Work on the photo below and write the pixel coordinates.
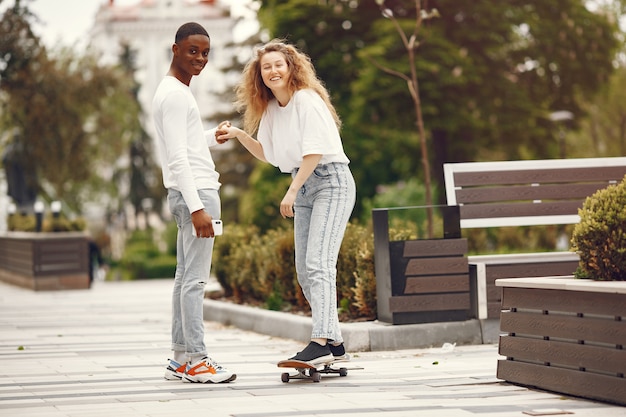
(189, 29)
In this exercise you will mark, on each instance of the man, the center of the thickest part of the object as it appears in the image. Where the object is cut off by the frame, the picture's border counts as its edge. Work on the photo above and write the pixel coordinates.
(192, 183)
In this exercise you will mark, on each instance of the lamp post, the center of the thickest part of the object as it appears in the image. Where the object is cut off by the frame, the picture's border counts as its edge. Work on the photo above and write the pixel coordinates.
(55, 207)
(561, 116)
(11, 210)
(39, 208)
(146, 206)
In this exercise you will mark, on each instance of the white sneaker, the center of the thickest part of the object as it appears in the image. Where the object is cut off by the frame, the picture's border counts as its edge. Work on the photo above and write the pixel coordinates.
(207, 370)
(175, 370)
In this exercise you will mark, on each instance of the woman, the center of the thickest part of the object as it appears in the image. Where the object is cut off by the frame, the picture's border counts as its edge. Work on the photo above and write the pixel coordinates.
(297, 130)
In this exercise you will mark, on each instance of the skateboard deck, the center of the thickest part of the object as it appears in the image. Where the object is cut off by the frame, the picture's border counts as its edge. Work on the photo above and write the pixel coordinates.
(306, 370)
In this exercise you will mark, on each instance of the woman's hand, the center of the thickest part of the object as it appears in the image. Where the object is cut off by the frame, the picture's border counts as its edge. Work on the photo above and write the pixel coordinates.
(286, 206)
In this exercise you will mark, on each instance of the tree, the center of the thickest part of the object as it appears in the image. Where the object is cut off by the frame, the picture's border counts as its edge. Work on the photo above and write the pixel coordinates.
(411, 44)
(145, 192)
(603, 131)
(72, 118)
(490, 74)
(234, 163)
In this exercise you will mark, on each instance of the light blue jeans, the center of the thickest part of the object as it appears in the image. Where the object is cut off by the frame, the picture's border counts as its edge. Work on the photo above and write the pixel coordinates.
(193, 268)
(322, 210)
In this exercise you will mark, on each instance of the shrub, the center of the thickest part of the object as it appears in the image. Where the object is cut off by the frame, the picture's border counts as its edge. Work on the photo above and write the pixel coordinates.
(231, 263)
(28, 223)
(600, 237)
(356, 261)
(259, 269)
(142, 258)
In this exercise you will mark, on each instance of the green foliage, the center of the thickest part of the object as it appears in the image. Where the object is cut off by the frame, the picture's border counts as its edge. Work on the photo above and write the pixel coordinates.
(230, 262)
(170, 234)
(255, 267)
(520, 239)
(143, 259)
(22, 223)
(259, 269)
(70, 117)
(600, 237)
(356, 275)
(489, 75)
(28, 223)
(260, 204)
(603, 131)
(401, 194)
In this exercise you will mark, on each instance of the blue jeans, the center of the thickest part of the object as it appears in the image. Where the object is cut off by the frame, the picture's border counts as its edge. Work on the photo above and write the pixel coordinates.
(193, 268)
(322, 210)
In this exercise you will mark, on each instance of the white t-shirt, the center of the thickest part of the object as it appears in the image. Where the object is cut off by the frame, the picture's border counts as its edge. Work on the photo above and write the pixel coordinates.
(182, 142)
(304, 126)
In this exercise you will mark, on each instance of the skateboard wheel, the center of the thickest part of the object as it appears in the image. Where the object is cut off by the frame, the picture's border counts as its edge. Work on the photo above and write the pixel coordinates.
(285, 377)
(316, 376)
(343, 372)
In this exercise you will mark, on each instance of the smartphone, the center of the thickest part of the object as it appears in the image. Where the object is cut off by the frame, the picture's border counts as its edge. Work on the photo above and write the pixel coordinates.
(218, 228)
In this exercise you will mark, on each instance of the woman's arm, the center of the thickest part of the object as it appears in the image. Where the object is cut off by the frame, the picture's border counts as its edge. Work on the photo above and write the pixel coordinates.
(252, 145)
(309, 162)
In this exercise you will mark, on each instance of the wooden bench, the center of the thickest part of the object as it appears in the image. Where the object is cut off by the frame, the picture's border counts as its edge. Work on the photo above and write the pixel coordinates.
(523, 193)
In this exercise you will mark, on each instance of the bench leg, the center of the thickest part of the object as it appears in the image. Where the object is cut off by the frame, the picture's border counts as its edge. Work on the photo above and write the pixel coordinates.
(478, 283)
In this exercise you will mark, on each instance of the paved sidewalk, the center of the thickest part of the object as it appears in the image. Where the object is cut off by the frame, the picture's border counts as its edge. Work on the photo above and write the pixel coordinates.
(102, 352)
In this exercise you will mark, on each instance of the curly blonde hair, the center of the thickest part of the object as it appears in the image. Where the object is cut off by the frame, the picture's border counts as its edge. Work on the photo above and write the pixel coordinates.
(253, 95)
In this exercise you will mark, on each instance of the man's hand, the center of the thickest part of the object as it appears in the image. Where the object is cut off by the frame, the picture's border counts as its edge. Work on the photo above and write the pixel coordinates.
(222, 130)
(203, 223)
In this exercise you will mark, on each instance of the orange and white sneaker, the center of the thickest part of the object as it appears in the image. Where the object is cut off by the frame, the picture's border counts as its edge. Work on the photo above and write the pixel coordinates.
(207, 370)
(175, 370)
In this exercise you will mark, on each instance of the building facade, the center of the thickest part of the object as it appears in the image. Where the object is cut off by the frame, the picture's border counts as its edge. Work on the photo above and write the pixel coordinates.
(148, 28)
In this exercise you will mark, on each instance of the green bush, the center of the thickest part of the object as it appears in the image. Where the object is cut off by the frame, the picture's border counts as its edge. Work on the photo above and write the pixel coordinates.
(22, 223)
(259, 270)
(163, 266)
(516, 239)
(260, 204)
(143, 259)
(402, 194)
(356, 277)
(28, 223)
(600, 237)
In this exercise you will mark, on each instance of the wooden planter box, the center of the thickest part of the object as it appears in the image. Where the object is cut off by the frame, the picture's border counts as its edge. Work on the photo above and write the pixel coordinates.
(565, 335)
(45, 261)
(420, 281)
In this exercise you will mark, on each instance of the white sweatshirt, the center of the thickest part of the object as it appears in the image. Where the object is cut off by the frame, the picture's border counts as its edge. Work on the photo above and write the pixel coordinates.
(182, 142)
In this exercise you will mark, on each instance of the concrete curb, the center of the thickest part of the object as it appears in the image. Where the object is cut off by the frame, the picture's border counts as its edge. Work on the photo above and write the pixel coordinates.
(358, 337)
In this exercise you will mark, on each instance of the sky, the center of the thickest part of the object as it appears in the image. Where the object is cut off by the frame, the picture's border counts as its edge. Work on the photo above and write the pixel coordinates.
(66, 21)
(69, 21)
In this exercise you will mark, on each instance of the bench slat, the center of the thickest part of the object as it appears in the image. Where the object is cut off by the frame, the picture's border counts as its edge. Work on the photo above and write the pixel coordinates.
(437, 284)
(539, 176)
(434, 302)
(486, 211)
(568, 301)
(599, 358)
(428, 247)
(567, 381)
(433, 266)
(564, 327)
(528, 192)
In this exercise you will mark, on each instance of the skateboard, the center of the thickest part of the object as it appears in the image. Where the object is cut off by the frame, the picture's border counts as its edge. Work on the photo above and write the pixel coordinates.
(306, 370)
